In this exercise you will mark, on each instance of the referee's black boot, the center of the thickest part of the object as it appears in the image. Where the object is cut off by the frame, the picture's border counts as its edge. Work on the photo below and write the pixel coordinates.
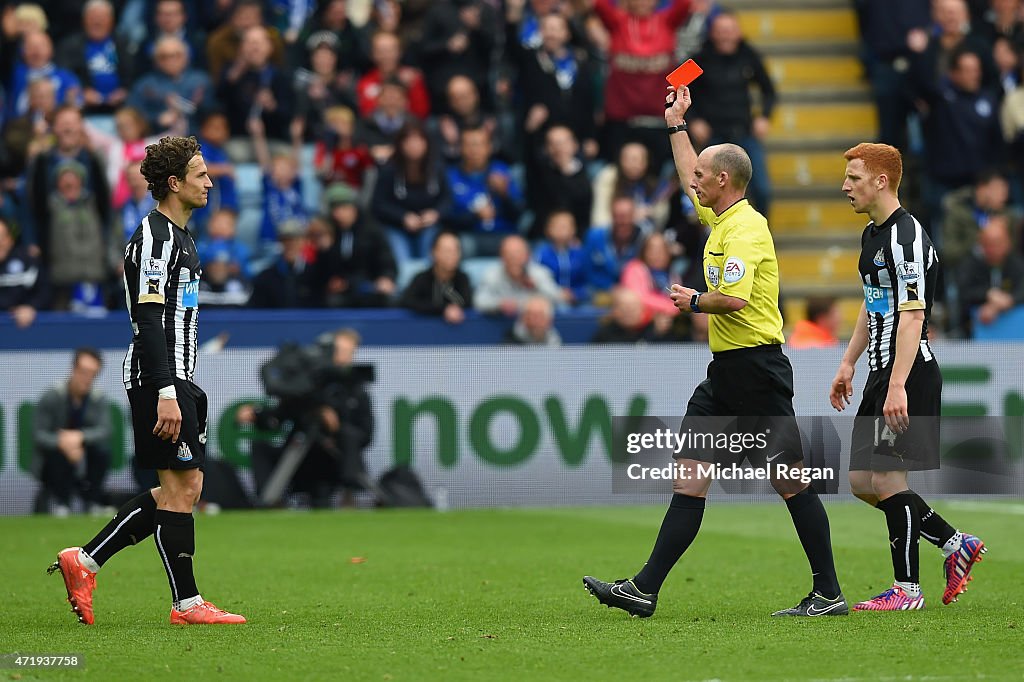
(622, 594)
(815, 604)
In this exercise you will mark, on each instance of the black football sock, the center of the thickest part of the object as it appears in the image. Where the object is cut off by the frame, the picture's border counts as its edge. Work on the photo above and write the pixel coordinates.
(132, 524)
(904, 522)
(175, 536)
(811, 523)
(934, 528)
(678, 529)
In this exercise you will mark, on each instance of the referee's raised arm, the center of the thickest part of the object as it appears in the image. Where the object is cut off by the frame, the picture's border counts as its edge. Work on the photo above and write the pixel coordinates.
(677, 102)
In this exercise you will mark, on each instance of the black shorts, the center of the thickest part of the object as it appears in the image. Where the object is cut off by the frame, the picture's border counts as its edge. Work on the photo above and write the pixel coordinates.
(747, 391)
(875, 447)
(152, 452)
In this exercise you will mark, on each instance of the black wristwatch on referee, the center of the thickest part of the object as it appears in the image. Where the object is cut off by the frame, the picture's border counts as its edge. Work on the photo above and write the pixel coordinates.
(681, 128)
(695, 302)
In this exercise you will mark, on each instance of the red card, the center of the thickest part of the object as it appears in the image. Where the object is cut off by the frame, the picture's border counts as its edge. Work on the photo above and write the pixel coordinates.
(685, 74)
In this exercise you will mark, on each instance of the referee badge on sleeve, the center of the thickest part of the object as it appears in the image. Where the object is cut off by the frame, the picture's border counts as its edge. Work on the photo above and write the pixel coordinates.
(734, 270)
(714, 276)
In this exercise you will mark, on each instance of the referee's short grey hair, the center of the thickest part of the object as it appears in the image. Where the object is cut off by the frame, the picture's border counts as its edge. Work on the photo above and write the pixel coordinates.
(732, 159)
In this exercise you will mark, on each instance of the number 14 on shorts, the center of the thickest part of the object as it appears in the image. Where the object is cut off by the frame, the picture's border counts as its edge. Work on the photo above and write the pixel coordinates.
(883, 434)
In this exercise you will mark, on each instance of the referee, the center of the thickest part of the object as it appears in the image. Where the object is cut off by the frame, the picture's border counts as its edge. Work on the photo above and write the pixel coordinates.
(749, 378)
(161, 277)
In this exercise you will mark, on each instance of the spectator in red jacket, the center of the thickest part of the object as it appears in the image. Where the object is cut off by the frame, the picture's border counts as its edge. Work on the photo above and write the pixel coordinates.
(640, 54)
(386, 53)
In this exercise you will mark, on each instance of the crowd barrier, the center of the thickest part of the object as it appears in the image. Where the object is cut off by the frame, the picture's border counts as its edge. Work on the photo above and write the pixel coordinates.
(488, 425)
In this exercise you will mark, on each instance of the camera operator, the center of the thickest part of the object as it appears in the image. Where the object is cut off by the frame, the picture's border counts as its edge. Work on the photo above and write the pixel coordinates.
(336, 416)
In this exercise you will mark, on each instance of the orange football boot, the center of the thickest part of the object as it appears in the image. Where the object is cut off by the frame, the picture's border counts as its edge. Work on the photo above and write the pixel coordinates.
(205, 613)
(79, 581)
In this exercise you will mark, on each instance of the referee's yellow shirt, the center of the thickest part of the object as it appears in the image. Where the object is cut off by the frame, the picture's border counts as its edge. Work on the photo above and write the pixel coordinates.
(739, 261)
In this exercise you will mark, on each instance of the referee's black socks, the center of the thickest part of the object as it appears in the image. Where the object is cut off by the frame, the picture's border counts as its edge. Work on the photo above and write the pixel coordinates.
(175, 536)
(132, 524)
(678, 529)
(811, 523)
(904, 522)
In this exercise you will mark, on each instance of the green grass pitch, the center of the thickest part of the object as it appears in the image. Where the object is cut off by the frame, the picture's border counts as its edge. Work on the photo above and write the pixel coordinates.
(496, 595)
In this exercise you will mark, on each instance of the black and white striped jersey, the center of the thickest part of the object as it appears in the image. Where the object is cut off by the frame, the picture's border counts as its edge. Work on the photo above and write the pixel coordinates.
(161, 265)
(898, 268)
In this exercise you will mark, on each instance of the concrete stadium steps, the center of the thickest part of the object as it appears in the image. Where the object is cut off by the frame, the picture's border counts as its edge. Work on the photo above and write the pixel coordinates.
(833, 265)
(800, 169)
(766, 25)
(825, 77)
(795, 307)
(834, 216)
(812, 121)
(825, 107)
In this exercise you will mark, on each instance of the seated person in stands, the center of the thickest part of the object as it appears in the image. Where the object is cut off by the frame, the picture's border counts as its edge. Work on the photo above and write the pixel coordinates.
(358, 270)
(558, 180)
(380, 129)
(820, 329)
(339, 157)
(286, 282)
(464, 112)
(486, 200)
(170, 96)
(282, 186)
(562, 254)
(993, 280)
(222, 235)
(72, 437)
(625, 321)
(442, 289)
(341, 413)
(23, 287)
(507, 286)
(608, 250)
(222, 285)
(967, 210)
(535, 325)
(213, 136)
(632, 176)
(137, 205)
(649, 276)
(411, 195)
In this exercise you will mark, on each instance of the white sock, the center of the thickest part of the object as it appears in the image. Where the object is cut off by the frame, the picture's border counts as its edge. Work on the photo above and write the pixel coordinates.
(953, 544)
(913, 590)
(88, 561)
(186, 604)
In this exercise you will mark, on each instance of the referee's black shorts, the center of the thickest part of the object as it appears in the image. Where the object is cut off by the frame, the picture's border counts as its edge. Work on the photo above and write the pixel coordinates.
(753, 388)
(152, 452)
(875, 447)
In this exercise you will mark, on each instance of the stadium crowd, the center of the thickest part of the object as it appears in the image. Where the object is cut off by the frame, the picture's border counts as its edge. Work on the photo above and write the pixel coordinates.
(460, 154)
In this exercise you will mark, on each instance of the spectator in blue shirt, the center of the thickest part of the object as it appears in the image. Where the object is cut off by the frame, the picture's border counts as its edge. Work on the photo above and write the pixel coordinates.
(103, 63)
(562, 254)
(222, 235)
(172, 92)
(282, 186)
(608, 250)
(139, 203)
(486, 201)
(37, 62)
(213, 135)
